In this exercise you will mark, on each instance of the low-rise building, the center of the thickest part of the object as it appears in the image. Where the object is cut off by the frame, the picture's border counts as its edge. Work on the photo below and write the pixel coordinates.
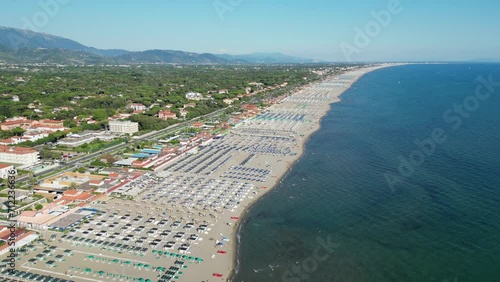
(183, 112)
(33, 136)
(194, 96)
(197, 124)
(19, 155)
(119, 116)
(190, 105)
(78, 139)
(137, 107)
(165, 115)
(20, 237)
(79, 196)
(37, 127)
(11, 141)
(123, 127)
(51, 123)
(5, 170)
(12, 123)
(59, 183)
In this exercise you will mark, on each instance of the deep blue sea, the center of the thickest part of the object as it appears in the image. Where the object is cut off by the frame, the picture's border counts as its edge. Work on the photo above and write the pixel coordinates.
(334, 217)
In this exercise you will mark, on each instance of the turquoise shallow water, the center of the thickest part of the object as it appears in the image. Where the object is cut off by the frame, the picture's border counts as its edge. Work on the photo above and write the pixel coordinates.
(442, 223)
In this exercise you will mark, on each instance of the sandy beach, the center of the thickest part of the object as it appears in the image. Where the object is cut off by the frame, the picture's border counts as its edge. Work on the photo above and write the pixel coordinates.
(183, 223)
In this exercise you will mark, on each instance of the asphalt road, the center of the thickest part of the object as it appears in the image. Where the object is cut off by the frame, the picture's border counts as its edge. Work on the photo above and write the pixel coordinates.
(72, 164)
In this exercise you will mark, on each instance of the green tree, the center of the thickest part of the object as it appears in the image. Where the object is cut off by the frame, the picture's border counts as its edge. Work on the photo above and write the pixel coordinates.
(47, 154)
(99, 114)
(38, 207)
(17, 131)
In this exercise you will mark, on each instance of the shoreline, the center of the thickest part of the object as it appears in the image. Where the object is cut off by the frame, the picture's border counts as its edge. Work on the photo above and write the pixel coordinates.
(235, 245)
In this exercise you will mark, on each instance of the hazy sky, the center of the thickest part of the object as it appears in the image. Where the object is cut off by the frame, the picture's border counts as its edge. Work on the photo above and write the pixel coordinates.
(321, 29)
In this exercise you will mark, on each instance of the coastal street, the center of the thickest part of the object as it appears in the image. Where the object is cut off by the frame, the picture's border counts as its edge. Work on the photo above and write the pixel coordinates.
(157, 134)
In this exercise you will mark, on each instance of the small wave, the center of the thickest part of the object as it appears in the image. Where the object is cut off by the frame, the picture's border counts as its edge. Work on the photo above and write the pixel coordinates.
(258, 270)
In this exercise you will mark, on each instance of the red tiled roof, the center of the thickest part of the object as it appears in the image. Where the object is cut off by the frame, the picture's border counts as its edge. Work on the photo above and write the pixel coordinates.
(82, 196)
(2, 166)
(29, 213)
(17, 232)
(7, 140)
(39, 125)
(70, 192)
(51, 121)
(13, 122)
(16, 150)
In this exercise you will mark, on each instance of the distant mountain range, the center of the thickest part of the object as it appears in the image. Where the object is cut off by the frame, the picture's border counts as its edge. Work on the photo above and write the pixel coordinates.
(25, 46)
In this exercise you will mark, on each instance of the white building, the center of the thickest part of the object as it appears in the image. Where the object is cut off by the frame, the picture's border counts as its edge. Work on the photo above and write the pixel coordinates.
(34, 135)
(4, 170)
(123, 127)
(19, 155)
(194, 96)
(228, 101)
(183, 112)
(11, 141)
(137, 107)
